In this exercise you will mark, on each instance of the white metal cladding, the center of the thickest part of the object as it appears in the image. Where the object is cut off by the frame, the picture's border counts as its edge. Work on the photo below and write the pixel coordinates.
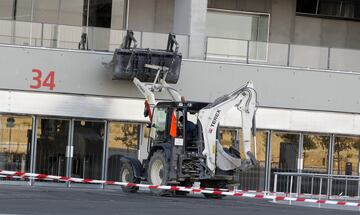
(80, 106)
(80, 72)
(72, 106)
(299, 120)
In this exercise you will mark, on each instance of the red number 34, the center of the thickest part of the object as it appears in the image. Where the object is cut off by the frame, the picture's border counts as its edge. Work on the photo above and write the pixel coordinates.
(49, 80)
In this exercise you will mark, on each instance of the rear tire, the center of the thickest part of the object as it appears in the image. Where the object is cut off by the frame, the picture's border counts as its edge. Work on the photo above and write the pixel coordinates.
(158, 172)
(127, 175)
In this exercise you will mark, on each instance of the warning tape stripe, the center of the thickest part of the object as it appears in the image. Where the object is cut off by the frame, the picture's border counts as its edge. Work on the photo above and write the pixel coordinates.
(13, 174)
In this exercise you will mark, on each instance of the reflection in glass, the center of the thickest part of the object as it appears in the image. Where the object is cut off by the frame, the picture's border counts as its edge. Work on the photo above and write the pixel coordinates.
(284, 152)
(230, 41)
(61, 23)
(254, 178)
(228, 138)
(15, 143)
(88, 149)
(346, 162)
(315, 153)
(315, 160)
(123, 141)
(52, 139)
(238, 25)
(284, 157)
(158, 127)
(346, 155)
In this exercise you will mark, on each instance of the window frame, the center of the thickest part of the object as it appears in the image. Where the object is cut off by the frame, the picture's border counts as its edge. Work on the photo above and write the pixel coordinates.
(326, 16)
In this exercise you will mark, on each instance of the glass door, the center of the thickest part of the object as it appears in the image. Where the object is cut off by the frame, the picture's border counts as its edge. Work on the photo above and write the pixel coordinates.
(284, 158)
(315, 159)
(124, 139)
(88, 147)
(15, 142)
(52, 142)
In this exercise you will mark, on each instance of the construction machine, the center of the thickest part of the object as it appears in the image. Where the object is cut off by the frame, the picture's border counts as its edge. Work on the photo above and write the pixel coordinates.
(183, 144)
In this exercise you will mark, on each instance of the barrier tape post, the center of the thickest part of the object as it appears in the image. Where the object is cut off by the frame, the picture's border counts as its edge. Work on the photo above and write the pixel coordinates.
(235, 193)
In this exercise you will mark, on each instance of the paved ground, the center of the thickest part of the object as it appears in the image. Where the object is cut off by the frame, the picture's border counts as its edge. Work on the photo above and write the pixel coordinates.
(52, 200)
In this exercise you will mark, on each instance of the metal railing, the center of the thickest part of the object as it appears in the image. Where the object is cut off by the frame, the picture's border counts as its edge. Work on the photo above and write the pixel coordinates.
(314, 185)
(220, 49)
(278, 54)
(69, 37)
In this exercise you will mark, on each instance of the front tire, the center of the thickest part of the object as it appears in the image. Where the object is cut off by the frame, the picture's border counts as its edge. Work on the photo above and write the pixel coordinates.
(127, 175)
(158, 172)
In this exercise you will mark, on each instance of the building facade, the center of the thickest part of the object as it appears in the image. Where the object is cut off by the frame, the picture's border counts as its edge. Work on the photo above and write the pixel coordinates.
(62, 114)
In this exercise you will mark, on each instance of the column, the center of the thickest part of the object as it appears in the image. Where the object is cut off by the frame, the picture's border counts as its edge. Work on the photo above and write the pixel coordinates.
(190, 19)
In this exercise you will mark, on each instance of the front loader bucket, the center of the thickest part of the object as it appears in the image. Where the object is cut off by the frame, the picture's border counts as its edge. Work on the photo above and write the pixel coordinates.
(129, 62)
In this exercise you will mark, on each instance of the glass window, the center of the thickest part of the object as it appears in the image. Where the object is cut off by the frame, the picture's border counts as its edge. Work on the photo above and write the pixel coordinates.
(284, 158)
(97, 13)
(60, 23)
(237, 25)
(52, 140)
(15, 145)
(315, 160)
(88, 149)
(229, 137)
(315, 153)
(228, 34)
(143, 145)
(254, 178)
(329, 7)
(346, 162)
(284, 152)
(306, 6)
(123, 141)
(346, 155)
(158, 126)
(333, 8)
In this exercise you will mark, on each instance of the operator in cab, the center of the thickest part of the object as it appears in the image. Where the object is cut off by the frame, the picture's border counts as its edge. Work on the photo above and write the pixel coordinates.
(190, 128)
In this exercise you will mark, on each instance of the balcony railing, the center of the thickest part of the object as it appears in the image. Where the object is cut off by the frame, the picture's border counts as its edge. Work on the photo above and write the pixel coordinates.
(289, 55)
(68, 37)
(219, 49)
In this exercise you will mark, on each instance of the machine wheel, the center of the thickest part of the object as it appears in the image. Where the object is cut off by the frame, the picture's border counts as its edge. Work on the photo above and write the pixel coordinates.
(157, 173)
(127, 175)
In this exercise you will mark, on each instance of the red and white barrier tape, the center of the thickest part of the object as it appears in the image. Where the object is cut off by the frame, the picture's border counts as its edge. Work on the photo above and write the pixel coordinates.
(340, 196)
(13, 174)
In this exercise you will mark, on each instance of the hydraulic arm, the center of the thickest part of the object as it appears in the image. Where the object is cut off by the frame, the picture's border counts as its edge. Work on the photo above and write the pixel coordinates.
(244, 99)
(159, 84)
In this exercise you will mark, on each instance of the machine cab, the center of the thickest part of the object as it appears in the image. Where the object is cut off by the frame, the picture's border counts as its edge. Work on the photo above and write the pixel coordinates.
(172, 120)
(159, 125)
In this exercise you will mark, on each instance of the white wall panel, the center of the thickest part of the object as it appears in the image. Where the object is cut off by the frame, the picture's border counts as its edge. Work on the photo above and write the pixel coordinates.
(79, 72)
(132, 110)
(299, 121)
